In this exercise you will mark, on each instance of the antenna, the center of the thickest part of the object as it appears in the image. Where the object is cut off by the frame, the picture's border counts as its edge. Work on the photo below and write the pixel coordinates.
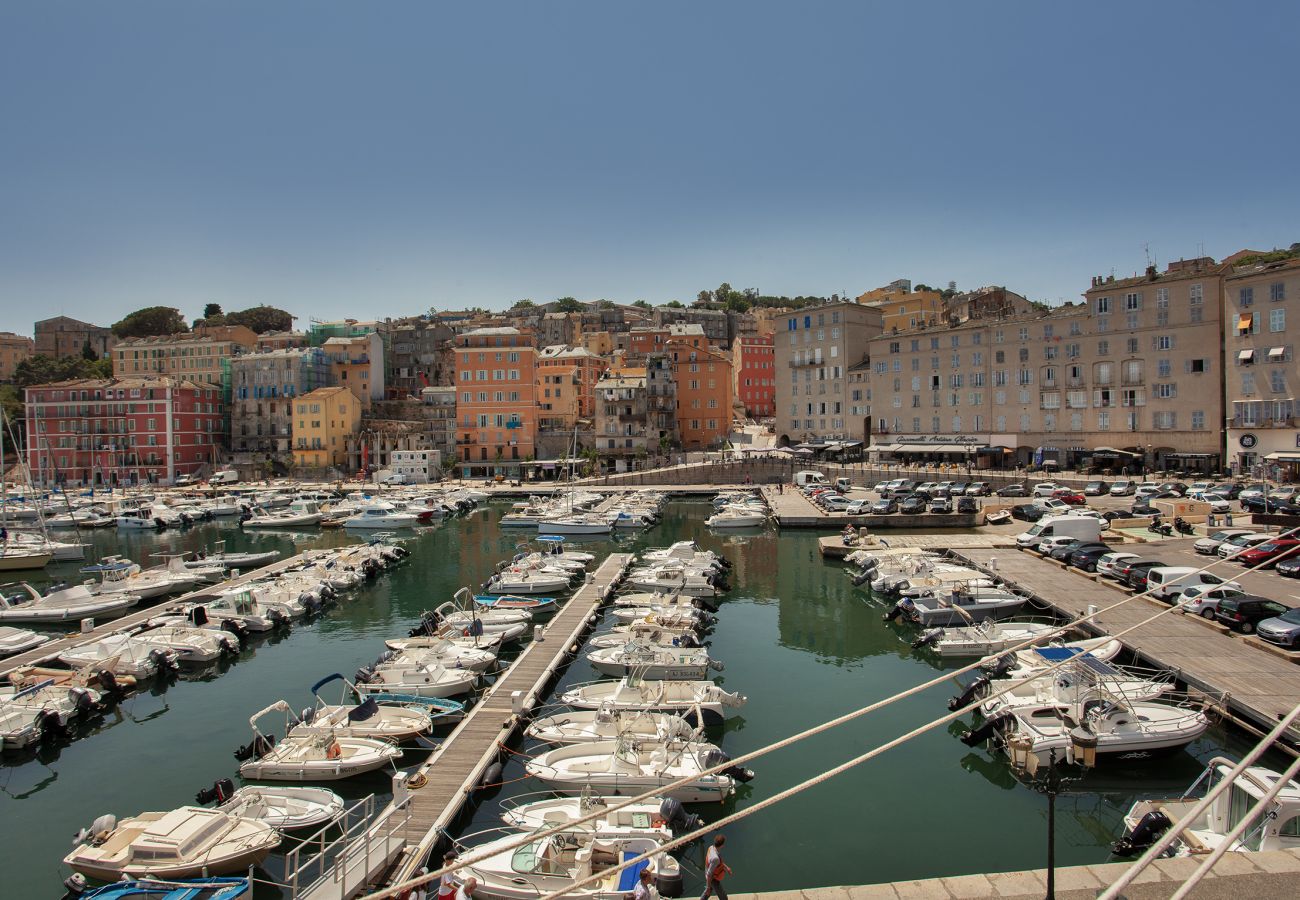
(1146, 248)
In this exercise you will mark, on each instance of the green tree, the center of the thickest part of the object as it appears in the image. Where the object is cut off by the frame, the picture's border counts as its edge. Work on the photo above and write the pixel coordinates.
(704, 297)
(524, 304)
(606, 304)
(261, 319)
(212, 311)
(568, 305)
(675, 304)
(151, 321)
(45, 369)
(88, 352)
(642, 304)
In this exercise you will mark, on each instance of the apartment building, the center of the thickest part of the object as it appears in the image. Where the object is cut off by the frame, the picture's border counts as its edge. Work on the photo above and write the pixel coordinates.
(904, 308)
(622, 428)
(715, 323)
(1262, 380)
(418, 352)
(263, 387)
(14, 348)
(753, 364)
(121, 430)
(324, 419)
(496, 380)
(704, 391)
(65, 336)
(357, 363)
(197, 355)
(566, 386)
(814, 348)
(319, 332)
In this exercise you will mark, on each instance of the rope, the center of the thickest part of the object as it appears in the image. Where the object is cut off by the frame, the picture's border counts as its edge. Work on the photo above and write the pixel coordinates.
(812, 732)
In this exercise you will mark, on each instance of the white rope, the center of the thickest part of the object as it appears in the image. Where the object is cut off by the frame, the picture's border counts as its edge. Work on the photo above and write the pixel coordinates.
(660, 790)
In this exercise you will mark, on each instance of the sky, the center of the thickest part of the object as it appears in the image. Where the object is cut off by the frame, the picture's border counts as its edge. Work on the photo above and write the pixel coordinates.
(379, 159)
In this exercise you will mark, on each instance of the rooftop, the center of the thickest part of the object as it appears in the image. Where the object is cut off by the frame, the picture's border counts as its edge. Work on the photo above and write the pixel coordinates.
(136, 382)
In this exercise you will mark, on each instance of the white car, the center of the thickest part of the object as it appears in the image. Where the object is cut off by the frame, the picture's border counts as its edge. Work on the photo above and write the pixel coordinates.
(858, 507)
(1054, 506)
(1048, 544)
(835, 502)
(1045, 489)
(1121, 488)
(1209, 545)
(1255, 490)
(1203, 599)
(1106, 564)
(1233, 546)
(1146, 489)
(393, 478)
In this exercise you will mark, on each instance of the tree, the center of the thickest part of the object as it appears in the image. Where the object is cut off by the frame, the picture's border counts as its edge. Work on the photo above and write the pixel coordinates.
(606, 304)
(675, 304)
(642, 304)
(151, 321)
(88, 352)
(261, 319)
(524, 304)
(212, 311)
(41, 369)
(704, 297)
(568, 305)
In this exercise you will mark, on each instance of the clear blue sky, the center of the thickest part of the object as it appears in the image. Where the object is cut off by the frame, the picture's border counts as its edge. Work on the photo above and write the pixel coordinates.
(374, 159)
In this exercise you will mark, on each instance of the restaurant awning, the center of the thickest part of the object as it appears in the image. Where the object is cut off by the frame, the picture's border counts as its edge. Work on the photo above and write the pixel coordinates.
(1114, 452)
(882, 448)
(1285, 455)
(938, 448)
(1245, 356)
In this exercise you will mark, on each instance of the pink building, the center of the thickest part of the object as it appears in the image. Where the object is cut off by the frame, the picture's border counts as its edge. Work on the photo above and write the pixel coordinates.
(753, 366)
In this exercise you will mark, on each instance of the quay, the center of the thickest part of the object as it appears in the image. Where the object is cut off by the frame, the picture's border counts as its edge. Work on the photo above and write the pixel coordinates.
(833, 546)
(1252, 686)
(791, 509)
(453, 771)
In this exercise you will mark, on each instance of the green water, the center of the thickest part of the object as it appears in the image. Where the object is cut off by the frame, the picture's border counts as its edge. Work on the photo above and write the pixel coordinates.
(796, 638)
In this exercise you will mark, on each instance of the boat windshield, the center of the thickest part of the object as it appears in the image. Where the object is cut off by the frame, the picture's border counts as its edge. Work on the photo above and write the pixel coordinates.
(525, 859)
(1240, 803)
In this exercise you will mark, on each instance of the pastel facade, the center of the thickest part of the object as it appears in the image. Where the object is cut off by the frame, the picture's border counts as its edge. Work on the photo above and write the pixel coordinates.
(324, 420)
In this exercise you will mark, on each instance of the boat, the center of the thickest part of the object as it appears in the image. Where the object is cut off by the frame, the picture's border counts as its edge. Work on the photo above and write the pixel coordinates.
(651, 633)
(192, 645)
(369, 718)
(227, 888)
(684, 698)
(1277, 828)
(585, 726)
(551, 863)
(138, 518)
(421, 676)
(667, 616)
(283, 808)
(122, 654)
(42, 711)
(232, 560)
(625, 767)
(16, 558)
(1083, 678)
(121, 576)
(538, 606)
(653, 662)
(244, 608)
(658, 815)
(1000, 517)
(60, 551)
(737, 518)
(65, 604)
(309, 755)
(379, 514)
(675, 578)
(578, 523)
(987, 637)
(19, 640)
(182, 843)
(529, 581)
(958, 607)
(298, 514)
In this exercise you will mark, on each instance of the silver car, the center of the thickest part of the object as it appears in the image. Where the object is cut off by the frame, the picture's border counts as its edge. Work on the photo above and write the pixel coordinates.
(1283, 630)
(1203, 599)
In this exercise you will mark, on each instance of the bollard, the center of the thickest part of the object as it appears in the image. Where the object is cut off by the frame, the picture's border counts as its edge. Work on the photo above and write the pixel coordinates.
(517, 702)
(537, 633)
(1092, 611)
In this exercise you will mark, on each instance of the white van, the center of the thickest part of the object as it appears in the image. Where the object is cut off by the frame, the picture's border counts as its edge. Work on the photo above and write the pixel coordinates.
(1084, 528)
(1167, 582)
(225, 476)
(807, 479)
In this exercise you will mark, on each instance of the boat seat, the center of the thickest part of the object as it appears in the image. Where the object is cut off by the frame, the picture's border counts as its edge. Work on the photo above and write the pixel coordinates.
(628, 878)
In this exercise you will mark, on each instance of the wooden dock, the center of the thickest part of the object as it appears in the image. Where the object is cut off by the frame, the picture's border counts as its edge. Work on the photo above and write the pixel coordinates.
(833, 546)
(456, 767)
(1255, 685)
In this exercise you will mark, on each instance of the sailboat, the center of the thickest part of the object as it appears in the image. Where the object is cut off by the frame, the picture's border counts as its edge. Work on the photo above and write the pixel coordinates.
(15, 556)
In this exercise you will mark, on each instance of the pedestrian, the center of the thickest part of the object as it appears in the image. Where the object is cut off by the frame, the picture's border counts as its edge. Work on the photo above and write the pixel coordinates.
(715, 870)
(449, 882)
(644, 890)
(468, 888)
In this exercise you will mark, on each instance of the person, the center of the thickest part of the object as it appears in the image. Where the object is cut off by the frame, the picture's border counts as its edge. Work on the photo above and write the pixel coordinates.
(644, 890)
(468, 888)
(715, 869)
(450, 881)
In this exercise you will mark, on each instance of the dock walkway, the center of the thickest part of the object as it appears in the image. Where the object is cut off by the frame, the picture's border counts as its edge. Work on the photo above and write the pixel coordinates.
(1255, 685)
(455, 769)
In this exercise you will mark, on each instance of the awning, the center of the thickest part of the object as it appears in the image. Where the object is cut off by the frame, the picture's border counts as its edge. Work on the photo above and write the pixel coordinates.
(1285, 456)
(1276, 353)
(1245, 355)
(1176, 455)
(938, 448)
(882, 448)
(1244, 321)
(1114, 452)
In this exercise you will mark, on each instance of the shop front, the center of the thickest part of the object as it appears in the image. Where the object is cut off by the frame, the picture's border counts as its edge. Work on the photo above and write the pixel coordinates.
(1267, 454)
(971, 450)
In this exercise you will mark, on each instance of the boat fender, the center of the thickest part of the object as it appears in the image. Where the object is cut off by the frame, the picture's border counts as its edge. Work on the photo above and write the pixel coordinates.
(491, 776)
(669, 884)
(976, 689)
(1145, 833)
(984, 732)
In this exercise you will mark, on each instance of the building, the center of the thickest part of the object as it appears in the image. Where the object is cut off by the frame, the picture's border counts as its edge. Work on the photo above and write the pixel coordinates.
(64, 336)
(566, 386)
(703, 378)
(622, 429)
(196, 355)
(1263, 431)
(418, 352)
(263, 387)
(904, 308)
(280, 340)
(357, 363)
(753, 364)
(122, 430)
(324, 419)
(14, 348)
(319, 332)
(713, 322)
(601, 343)
(557, 328)
(416, 466)
(814, 348)
(496, 384)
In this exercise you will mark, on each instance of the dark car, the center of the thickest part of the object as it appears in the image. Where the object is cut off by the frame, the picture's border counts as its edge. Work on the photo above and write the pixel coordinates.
(885, 506)
(1260, 505)
(1013, 490)
(1289, 568)
(1061, 552)
(1229, 490)
(1122, 570)
(1086, 556)
(1143, 509)
(959, 487)
(1245, 612)
(1096, 489)
(1269, 554)
(1027, 512)
(968, 505)
(913, 504)
(1136, 577)
(1176, 487)
(1111, 514)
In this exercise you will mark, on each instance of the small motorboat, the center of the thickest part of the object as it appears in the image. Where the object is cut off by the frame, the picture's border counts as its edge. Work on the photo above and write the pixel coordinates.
(66, 604)
(1000, 517)
(625, 766)
(404, 674)
(309, 755)
(538, 606)
(122, 654)
(651, 633)
(663, 816)
(233, 560)
(299, 514)
(684, 698)
(283, 808)
(42, 711)
(738, 518)
(228, 888)
(192, 645)
(577, 523)
(585, 726)
(379, 514)
(958, 607)
(121, 576)
(654, 662)
(248, 610)
(19, 640)
(183, 843)
(530, 581)
(987, 637)
(368, 718)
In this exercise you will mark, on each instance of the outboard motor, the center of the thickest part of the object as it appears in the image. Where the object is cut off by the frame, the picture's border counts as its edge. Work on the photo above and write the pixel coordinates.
(256, 749)
(687, 640)
(704, 604)
(429, 622)
(308, 715)
(739, 773)
(929, 639)
(277, 617)
(364, 675)
(187, 520)
(84, 705)
(229, 645)
(716, 665)
(240, 630)
(900, 608)
(311, 603)
(675, 816)
(198, 616)
(975, 690)
(75, 886)
(163, 660)
(219, 793)
(385, 657)
(51, 726)
(862, 578)
(1001, 666)
(109, 687)
(985, 731)
(1145, 833)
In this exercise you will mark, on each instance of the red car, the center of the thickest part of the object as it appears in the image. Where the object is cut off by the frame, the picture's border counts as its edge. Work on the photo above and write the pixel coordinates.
(1066, 495)
(1270, 552)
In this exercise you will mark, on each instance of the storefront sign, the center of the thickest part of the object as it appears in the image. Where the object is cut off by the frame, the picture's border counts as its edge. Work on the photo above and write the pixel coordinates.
(1248, 441)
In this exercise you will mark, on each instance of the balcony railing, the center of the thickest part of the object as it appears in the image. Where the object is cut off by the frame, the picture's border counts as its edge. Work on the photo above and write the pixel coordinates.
(799, 363)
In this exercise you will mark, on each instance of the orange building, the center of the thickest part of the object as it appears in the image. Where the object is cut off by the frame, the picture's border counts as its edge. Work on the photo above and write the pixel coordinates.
(14, 348)
(905, 309)
(566, 386)
(638, 343)
(704, 391)
(753, 362)
(496, 394)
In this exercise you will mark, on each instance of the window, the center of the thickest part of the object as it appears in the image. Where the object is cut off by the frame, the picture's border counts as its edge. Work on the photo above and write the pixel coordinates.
(1047, 332)
(1132, 301)
(1002, 423)
(1162, 298)
(1072, 350)
(1024, 334)
(1165, 342)
(1277, 291)
(956, 341)
(1051, 400)
(1247, 323)
(1247, 383)
(1131, 345)
(1103, 348)
(1103, 323)
(1000, 356)
(1165, 420)
(1164, 368)
(1277, 319)
(1050, 352)
(998, 336)
(1166, 391)
(977, 358)
(1198, 366)
(1131, 320)
(1103, 305)
(1198, 420)
(1277, 381)
(1245, 297)
(1103, 421)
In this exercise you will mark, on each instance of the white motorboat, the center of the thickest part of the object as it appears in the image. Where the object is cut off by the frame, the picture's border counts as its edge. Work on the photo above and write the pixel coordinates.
(233, 560)
(1277, 828)
(32, 712)
(66, 604)
(578, 523)
(184, 843)
(309, 755)
(627, 767)
(958, 607)
(246, 609)
(444, 652)
(138, 518)
(987, 637)
(60, 551)
(653, 662)
(420, 639)
(1027, 662)
(529, 581)
(19, 640)
(192, 645)
(369, 718)
(667, 616)
(651, 633)
(686, 551)
(738, 518)
(380, 515)
(121, 576)
(656, 816)
(673, 578)
(1081, 679)
(283, 808)
(298, 514)
(683, 698)
(405, 674)
(121, 654)
(585, 726)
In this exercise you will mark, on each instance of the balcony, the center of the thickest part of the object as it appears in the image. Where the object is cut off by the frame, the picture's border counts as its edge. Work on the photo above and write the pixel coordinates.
(799, 364)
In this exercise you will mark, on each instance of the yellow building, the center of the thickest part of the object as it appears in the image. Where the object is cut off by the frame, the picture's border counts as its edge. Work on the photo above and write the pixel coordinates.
(323, 421)
(600, 343)
(905, 308)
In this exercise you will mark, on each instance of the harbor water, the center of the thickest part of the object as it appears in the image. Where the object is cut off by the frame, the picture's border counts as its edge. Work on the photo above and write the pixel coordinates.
(796, 638)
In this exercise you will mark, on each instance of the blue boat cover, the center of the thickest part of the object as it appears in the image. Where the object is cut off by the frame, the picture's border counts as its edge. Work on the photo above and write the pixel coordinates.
(628, 878)
(1056, 654)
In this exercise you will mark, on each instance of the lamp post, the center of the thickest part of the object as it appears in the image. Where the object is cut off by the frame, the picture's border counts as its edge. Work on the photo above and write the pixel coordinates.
(1082, 752)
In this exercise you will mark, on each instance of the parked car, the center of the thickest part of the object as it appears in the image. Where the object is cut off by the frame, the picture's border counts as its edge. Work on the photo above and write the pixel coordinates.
(1146, 489)
(1086, 556)
(1045, 489)
(1012, 490)
(1203, 599)
(978, 489)
(1049, 545)
(1108, 564)
(1284, 494)
(1177, 488)
(1289, 567)
(1136, 574)
(1095, 489)
(1170, 581)
(958, 488)
(927, 488)
(1112, 514)
(942, 504)
(834, 502)
(1252, 490)
(1202, 486)
(967, 505)
(1234, 546)
(1217, 504)
(913, 504)
(1121, 488)
(885, 507)
(1052, 505)
(1070, 496)
(1269, 553)
(1210, 544)
(858, 507)
(1232, 489)
(1142, 508)
(1245, 612)
(1027, 512)
(1283, 630)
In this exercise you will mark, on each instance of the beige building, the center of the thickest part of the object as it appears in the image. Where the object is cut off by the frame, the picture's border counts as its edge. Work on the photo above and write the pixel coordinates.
(14, 348)
(622, 428)
(197, 355)
(324, 420)
(1263, 432)
(65, 336)
(815, 348)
